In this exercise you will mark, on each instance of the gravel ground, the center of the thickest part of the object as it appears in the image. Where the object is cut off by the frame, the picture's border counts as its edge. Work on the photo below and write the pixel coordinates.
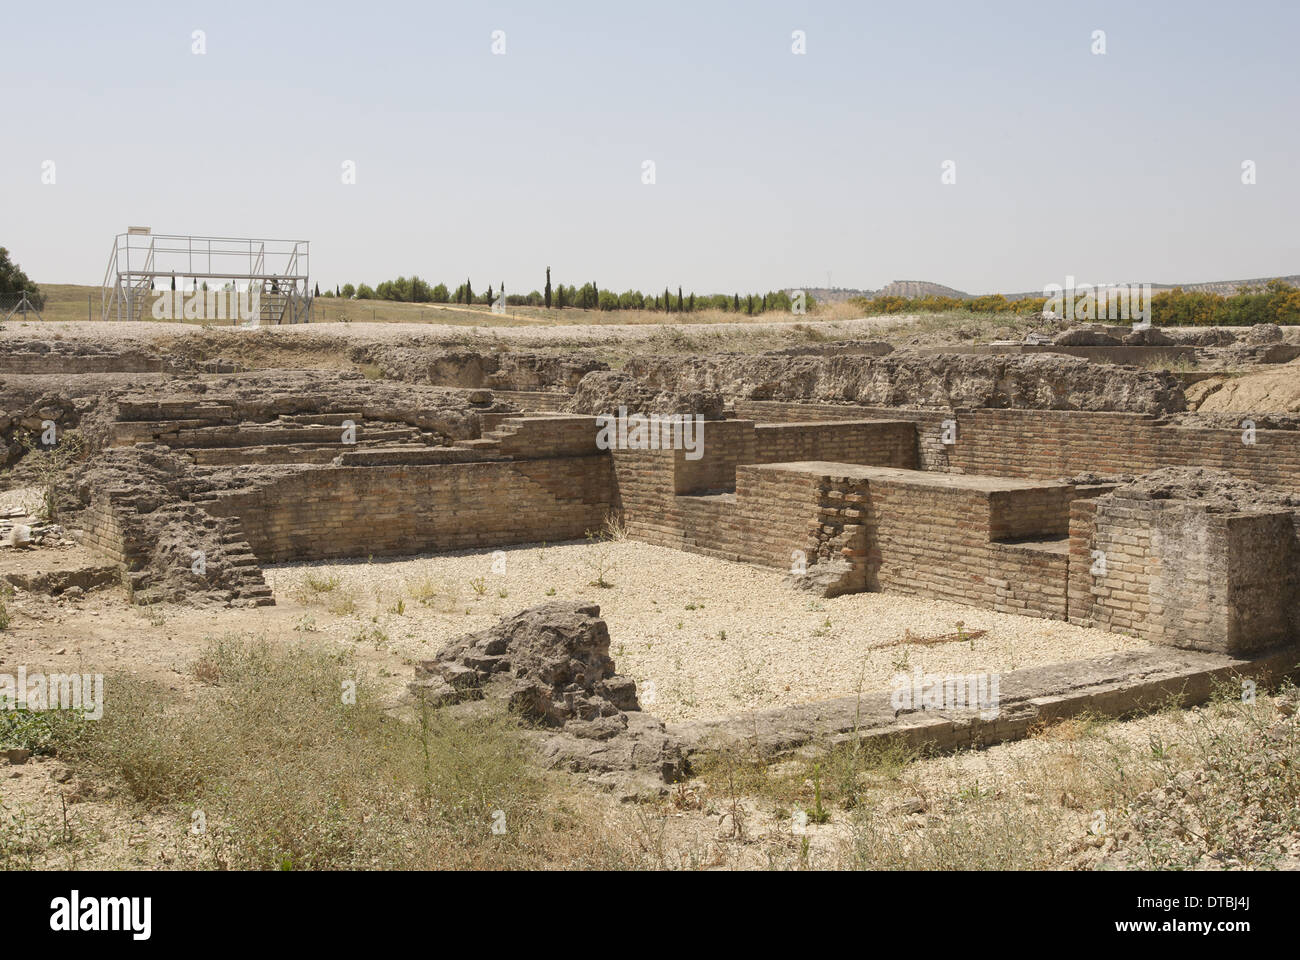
(713, 638)
(144, 331)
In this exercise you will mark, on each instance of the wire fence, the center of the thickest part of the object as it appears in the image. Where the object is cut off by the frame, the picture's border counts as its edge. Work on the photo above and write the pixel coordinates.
(10, 300)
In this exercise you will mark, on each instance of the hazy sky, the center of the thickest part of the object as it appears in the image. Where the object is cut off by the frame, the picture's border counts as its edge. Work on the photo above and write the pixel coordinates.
(771, 169)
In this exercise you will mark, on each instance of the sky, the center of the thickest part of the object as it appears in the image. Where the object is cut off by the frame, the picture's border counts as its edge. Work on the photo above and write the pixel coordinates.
(771, 168)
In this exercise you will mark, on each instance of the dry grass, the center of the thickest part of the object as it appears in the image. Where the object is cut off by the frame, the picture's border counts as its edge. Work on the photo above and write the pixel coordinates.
(1171, 364)
(283, 772)
(287, 760)
(1214, 787)
(327, 590)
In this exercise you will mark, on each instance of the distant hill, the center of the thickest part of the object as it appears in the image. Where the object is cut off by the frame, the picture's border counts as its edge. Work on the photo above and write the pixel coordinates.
(926, 288)
(918, 288)
(899, 288)
(832, 294)
(1227, 286)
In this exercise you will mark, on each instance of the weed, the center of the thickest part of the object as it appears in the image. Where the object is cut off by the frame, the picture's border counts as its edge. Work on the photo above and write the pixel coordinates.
(50, 466)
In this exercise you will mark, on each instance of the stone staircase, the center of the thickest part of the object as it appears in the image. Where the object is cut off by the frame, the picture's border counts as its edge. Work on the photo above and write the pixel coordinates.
(538, 436)
(296, 438)
(233, 572)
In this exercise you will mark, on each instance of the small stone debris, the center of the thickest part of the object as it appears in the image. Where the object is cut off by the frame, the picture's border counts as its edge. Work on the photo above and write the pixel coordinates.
(911, 806)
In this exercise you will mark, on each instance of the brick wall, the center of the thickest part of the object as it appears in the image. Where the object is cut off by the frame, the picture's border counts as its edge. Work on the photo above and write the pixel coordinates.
(906, 531)
(1176, 573)
(1083, 524)
(98, 528)
(544, 436)
(934, 536)
(126, 530)
(1047, 444)
(653, 486)
(727, 444)
(780, 512)
(883, 443)
(723, 446)
(393, 510)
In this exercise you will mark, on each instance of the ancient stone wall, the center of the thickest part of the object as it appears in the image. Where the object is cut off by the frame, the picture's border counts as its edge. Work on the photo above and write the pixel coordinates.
(900, 530)
(258, 468)
(1178, 573)
(663, 497)
(730, 443)
(1050, 444)
(393, 510)
(99, 528)
(533, 400)
(938, 536)
(883, 443)
(1046, 382)
(63, 357)
(724, 445)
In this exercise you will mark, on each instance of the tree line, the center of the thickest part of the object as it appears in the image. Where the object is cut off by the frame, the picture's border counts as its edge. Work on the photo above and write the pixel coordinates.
(589, 296)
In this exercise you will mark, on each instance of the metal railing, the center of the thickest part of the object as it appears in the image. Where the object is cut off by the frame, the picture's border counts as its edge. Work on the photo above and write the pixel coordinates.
(139, 258)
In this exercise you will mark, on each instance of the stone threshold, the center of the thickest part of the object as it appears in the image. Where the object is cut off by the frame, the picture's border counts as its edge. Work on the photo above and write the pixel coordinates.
(1115, 685)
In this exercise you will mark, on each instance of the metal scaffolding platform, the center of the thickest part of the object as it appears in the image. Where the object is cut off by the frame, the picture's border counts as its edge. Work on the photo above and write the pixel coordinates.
(274, 274)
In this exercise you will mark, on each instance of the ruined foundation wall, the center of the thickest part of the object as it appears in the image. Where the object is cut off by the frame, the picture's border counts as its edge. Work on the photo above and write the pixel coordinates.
(728, 444)
(937, 540)
(99, 528)
(1049, 444)
(724, 445)
(1175, 573)
(905, 533)
(779, 513)
(393, 510)
(533, 400)
(64, 365)
(659, 490)
(882, 443)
